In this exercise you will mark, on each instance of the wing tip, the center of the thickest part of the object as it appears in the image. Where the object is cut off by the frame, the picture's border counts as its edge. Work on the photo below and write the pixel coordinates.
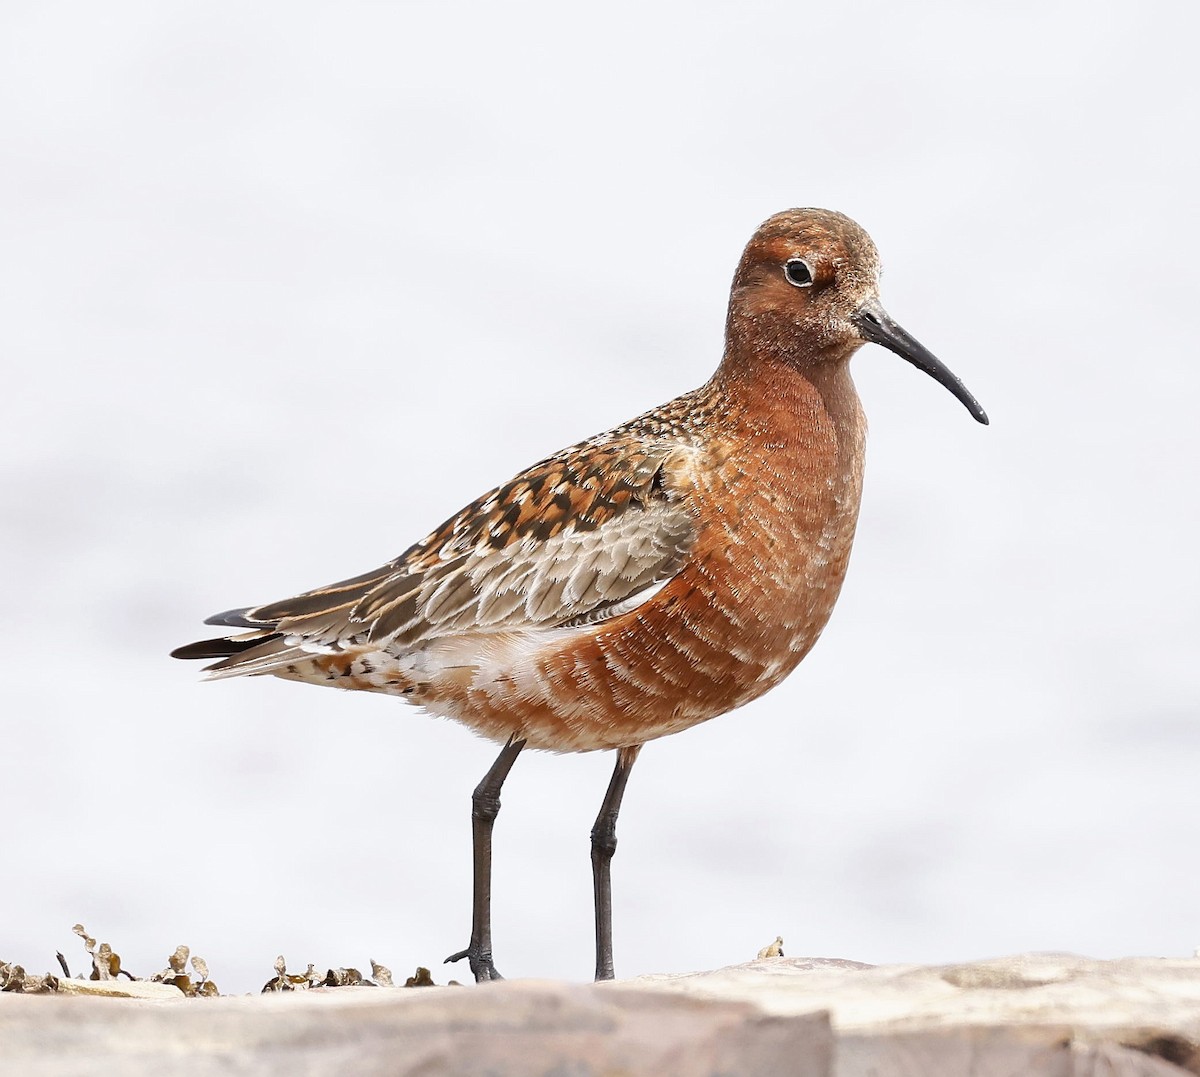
(236, 618)
(215, 648)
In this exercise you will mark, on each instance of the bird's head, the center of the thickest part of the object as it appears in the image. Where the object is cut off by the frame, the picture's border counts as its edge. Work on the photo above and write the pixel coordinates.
(807, 291)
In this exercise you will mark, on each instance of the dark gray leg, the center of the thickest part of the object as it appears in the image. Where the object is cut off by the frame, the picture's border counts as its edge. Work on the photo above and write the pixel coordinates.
(485, 806)
(604, 844)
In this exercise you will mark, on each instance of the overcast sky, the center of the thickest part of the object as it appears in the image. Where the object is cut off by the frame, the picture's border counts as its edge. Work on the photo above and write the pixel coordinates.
(284, 285)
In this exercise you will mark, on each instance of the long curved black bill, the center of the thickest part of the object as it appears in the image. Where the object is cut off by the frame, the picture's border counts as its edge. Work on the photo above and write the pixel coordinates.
(877, 326)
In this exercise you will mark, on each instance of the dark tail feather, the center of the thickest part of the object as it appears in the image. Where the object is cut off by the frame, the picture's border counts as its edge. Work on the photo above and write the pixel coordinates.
(220, 648)
(236, 619)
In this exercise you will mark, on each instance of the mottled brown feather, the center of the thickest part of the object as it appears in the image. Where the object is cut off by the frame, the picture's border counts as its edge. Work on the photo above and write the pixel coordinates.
(581, 530)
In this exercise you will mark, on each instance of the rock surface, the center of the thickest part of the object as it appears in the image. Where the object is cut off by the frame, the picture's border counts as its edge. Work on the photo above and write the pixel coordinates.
(1030, 1015)
(143, 989)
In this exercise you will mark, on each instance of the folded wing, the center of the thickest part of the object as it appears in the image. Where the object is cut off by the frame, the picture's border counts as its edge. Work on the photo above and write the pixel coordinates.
(578, 538)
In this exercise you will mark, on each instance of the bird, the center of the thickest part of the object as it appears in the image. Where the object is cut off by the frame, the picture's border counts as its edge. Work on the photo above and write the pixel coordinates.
(636, 583)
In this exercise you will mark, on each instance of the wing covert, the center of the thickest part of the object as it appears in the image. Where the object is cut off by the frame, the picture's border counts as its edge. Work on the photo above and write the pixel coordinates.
(571, 540)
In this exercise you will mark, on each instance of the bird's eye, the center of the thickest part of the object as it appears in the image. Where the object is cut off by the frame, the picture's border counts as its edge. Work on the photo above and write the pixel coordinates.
(798, 272)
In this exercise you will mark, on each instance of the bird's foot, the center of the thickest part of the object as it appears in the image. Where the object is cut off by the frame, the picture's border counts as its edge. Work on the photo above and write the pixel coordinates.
(481, 963)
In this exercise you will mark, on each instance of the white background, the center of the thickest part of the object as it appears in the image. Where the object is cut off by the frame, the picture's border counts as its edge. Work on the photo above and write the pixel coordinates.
(284, 285)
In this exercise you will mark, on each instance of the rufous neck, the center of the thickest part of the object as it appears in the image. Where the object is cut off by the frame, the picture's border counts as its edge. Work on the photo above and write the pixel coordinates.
(768, 364)
(787, 394)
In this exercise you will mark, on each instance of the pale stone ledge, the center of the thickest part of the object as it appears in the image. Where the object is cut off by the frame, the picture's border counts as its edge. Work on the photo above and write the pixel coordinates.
(1030, 1015)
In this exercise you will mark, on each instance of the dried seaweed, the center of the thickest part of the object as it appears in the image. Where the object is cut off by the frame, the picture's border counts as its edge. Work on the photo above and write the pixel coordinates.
(198, 985)
(382, 974)
(189, 974)
(773, 949)
(285, 981)
(15, 979)
(339, 977)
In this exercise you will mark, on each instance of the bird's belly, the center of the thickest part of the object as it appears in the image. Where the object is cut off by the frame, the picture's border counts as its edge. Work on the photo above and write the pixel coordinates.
(732, 625)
